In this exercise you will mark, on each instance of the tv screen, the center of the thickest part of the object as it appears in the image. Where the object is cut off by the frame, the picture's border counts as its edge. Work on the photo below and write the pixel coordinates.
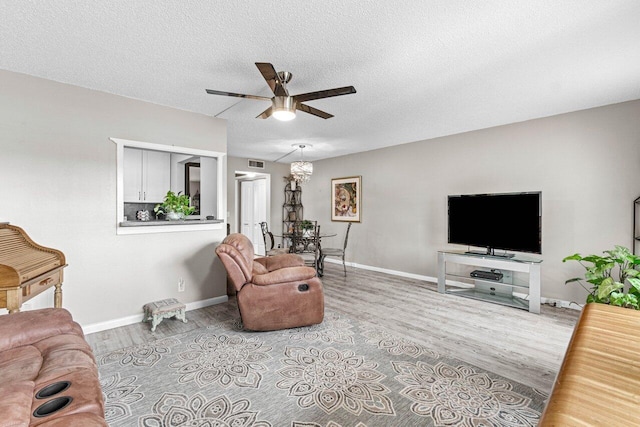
(511, 221)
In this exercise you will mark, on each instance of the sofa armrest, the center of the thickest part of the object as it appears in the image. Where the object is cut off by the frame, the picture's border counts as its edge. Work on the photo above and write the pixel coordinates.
(276, 262)
(28, 327)
(284, 275)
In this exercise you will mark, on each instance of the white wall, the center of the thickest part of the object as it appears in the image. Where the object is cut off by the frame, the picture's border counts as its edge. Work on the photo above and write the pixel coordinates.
(58, 182)
(585, 163)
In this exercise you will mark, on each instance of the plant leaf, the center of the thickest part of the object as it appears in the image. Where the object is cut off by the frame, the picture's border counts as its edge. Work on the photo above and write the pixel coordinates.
(634, 285)
(608, 286)
(631, 272)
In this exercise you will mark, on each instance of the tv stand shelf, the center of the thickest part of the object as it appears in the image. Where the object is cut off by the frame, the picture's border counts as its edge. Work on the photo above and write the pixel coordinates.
(496, 291)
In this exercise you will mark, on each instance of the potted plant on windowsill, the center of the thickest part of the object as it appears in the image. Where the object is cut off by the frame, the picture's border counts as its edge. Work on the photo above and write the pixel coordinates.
(601, 272)
(175, 206)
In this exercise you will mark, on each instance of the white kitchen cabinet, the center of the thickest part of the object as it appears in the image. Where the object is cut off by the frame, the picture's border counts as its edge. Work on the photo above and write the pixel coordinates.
(147, 175)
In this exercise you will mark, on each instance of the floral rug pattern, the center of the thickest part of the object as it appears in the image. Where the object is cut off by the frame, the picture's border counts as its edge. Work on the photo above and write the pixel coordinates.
(332, 379)
(223, 359)
(179, 410)
(461, 396)
(337, 374)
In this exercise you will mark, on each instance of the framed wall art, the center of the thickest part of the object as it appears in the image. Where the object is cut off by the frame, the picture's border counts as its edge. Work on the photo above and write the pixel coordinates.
(346, 196)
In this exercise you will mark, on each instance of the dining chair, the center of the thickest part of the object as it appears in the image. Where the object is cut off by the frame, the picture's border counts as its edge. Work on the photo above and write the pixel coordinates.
(306, 242)
(338, 252)
(269, 242)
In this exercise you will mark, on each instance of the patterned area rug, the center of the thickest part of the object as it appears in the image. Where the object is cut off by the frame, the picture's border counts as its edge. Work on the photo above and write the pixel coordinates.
(337, 374)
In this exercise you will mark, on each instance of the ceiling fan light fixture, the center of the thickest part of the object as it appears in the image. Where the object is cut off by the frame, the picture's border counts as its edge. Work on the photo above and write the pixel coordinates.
(284, 108)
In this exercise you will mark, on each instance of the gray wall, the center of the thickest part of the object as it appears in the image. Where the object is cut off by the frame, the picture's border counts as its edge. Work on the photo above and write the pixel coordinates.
(585, 163)
(58, 182)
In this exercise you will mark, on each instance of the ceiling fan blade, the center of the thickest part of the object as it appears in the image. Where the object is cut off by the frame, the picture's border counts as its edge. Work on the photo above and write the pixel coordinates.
(314, 111)
(347, 90)
(238, 95)
(273, 80)
(266, 113)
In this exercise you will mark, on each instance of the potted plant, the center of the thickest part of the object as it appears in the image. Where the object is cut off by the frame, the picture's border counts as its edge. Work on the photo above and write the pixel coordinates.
(307, 227)
(608, 276)
(175, 206)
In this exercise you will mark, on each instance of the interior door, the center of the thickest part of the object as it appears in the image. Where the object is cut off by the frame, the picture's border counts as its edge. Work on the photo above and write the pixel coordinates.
(253, 211)
(246, 209)
(259, 214)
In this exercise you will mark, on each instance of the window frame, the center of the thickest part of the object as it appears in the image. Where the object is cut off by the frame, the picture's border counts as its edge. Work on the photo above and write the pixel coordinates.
(219, 223)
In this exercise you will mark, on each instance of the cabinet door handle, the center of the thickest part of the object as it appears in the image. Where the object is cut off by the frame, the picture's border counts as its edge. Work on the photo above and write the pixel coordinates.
(144, 195)
(139, 195)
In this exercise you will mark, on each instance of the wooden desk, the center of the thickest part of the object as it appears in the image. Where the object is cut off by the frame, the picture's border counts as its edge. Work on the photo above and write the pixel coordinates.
(27, 269)
(599, 381)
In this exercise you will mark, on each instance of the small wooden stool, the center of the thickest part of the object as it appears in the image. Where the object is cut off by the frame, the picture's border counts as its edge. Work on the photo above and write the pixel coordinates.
(156, 311)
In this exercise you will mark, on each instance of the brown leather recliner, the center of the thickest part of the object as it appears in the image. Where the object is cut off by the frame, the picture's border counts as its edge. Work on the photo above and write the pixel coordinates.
(276, 292)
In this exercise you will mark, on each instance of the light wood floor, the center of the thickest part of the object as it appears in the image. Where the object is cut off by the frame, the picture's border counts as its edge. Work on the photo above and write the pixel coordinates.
(524, 347)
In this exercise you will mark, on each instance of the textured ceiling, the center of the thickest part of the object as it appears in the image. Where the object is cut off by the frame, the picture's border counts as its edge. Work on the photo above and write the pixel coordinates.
(421, 68)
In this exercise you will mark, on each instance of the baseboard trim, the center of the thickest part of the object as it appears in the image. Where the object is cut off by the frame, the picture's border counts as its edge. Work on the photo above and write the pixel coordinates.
(137, 318)
(384, 270)
(543, 300)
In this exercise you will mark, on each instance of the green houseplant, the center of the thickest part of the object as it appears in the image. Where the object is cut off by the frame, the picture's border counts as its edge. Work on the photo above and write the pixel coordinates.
(307, 227)
(608, 275)
(175, 206)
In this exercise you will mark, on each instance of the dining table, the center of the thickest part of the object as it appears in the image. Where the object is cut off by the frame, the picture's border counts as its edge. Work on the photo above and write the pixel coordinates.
(320, 261)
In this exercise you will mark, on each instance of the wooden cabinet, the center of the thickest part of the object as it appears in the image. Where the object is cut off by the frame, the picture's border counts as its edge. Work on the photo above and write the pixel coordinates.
(147, 175)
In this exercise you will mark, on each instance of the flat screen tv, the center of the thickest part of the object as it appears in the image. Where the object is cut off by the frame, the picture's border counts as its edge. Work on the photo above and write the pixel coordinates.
(506, 221)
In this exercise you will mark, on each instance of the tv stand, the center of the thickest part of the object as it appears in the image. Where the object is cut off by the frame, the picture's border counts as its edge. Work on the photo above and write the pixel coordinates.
(458, 281)
(491, 253)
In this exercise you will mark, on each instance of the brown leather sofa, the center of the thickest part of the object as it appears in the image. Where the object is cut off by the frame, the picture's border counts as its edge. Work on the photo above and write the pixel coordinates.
(276, 292)
(48, 374)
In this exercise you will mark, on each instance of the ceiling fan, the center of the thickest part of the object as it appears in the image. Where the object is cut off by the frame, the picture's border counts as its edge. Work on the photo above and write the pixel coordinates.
(284, 106)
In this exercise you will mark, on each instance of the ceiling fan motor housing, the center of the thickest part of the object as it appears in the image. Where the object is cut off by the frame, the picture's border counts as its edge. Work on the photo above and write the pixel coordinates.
(284, 106)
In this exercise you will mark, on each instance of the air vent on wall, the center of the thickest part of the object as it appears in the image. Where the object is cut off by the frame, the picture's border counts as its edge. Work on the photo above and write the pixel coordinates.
(257, 164)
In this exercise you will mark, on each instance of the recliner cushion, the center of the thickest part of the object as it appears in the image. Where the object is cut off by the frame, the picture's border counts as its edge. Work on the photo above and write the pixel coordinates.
(284, 275)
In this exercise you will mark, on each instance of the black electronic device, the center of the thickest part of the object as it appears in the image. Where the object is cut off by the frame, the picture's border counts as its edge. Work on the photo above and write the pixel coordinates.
(486, 275)
(507, 221)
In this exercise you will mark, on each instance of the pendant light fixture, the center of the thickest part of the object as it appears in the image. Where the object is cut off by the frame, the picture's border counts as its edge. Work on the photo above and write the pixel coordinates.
(301, 170)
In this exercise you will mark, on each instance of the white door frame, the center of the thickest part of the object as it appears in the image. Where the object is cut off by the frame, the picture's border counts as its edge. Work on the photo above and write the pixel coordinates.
(250, 176)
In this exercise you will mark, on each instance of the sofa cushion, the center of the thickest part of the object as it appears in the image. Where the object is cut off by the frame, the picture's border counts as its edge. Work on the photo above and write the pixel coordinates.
(21, 363)
(15, 403)
(27, 327)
